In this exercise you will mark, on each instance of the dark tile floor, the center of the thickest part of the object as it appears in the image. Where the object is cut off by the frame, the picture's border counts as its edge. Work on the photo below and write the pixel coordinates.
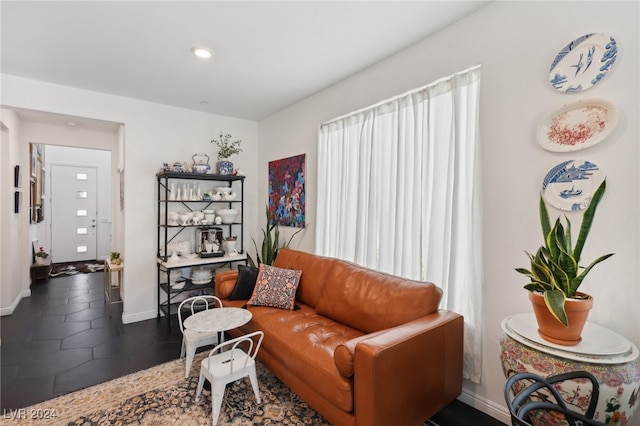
(62, 339)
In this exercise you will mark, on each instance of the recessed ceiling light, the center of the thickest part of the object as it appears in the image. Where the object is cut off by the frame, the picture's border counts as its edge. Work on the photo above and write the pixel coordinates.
(201, 52)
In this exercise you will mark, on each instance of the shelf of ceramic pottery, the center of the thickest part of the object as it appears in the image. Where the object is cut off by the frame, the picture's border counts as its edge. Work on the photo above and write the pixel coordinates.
(187, 207)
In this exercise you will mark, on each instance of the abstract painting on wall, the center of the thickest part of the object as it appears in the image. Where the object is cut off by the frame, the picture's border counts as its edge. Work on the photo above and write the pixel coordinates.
(286, 191)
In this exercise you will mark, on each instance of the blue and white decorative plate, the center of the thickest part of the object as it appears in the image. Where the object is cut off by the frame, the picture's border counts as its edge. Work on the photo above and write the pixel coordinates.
(582, 63)
(570, 185)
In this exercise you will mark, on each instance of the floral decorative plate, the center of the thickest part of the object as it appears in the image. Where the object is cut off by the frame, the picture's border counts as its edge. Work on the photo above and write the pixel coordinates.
(570, 185)
(578, 126)
(583, 63)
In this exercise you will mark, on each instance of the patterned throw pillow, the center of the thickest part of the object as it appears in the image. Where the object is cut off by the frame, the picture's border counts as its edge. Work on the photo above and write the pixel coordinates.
(275, 287)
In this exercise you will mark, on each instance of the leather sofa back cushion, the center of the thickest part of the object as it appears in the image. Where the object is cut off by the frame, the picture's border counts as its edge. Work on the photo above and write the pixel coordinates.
(314, 276)
(370, 301)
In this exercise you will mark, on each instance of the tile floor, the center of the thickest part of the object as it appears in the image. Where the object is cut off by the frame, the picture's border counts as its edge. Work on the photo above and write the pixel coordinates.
(62, 339)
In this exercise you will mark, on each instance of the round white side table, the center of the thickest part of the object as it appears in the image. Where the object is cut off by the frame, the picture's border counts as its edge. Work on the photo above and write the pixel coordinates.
(218, 319)
(607, 355)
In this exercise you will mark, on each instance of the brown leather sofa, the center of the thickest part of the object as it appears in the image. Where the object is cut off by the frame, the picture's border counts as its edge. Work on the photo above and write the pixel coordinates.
(364, 348)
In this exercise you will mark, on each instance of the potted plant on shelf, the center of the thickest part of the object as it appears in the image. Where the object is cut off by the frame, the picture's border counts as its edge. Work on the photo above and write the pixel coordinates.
(555, 274)
(41, 256)
(270, 243)
(115, 258)
(226, 149)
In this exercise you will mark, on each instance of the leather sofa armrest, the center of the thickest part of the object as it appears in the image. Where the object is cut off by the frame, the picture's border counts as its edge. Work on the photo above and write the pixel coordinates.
(400, 371)
(344, 354)
(225, 283)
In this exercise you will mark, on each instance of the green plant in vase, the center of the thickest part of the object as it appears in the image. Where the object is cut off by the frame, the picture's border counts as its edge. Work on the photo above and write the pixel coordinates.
(555, 270)
(226, 148)
(41, 256)
(115, 258)
(270, 243)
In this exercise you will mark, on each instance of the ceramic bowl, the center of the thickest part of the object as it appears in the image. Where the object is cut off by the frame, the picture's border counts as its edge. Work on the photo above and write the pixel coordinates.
(210, 211)
(198, 215)
(209, 217)
(229, 197)
(228, 215)
(224, 189)
(184, 218)
(200, 275)
(173, 215)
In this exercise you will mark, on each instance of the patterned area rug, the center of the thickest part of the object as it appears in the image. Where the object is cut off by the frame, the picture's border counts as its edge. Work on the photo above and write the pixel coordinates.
(162, 396)
(74, 268)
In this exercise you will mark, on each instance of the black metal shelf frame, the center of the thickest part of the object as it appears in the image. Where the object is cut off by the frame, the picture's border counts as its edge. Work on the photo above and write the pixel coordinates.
(167, 233)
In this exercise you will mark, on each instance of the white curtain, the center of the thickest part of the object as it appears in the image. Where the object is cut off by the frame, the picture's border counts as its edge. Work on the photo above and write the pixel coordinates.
(399, 191)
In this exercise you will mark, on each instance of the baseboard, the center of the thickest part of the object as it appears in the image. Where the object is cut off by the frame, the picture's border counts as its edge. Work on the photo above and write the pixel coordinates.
(9, 309)
(140, 316)
(488, 407)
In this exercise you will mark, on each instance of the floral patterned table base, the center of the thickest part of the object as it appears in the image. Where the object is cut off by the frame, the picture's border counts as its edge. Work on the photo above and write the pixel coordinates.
(619, 383)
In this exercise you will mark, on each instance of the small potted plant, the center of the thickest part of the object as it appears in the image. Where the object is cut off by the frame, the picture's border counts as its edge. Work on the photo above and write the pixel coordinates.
(226, 148)
(41, 256)
(555, 274)
(115, 258)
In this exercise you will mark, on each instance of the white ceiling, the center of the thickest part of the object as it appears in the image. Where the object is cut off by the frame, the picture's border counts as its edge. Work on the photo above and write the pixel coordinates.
(267, 55)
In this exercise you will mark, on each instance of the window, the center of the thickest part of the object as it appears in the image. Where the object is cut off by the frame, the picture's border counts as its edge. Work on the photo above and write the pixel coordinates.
(399, 191)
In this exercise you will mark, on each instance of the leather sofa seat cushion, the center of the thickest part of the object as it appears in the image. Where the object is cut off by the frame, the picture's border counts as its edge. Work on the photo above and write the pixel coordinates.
(370, 301)
(305, 343)
(315, 270)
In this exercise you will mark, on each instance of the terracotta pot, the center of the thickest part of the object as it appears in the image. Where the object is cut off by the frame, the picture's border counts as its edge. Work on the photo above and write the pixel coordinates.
(553, 330)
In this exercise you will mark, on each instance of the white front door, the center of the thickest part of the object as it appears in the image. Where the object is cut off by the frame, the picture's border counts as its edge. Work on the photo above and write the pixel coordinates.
(73, 213)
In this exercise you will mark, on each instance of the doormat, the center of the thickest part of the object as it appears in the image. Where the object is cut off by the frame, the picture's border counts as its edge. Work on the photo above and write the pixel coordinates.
(74, 268)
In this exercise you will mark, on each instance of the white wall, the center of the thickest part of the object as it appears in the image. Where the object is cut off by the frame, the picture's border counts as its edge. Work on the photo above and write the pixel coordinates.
(153, 134)
(14, 232)
(101, 160)
(515, 43)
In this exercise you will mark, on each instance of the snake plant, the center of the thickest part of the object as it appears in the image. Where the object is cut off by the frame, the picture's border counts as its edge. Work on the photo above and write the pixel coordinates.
(555, 269)
(270, 243)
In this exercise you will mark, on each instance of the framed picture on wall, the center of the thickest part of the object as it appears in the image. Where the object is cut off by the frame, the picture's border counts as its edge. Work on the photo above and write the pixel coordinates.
(32, 200)
(17, 179)
(33, 152)
(287, 191)
(17, 200)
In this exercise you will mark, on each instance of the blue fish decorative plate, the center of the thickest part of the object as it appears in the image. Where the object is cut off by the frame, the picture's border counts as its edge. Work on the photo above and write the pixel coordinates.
(570, 185)
(582, 63)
